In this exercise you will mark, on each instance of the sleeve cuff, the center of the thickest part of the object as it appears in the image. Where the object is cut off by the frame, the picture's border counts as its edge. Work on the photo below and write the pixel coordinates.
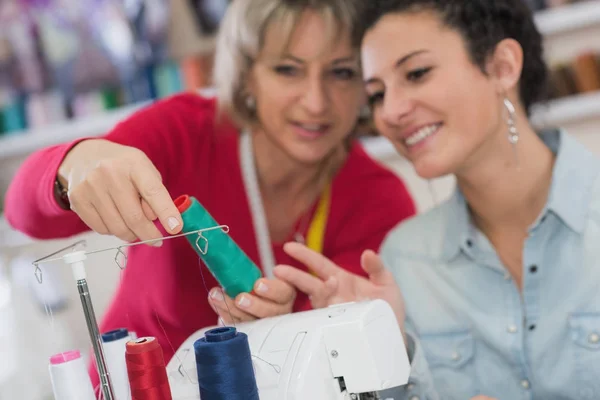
(47, 185)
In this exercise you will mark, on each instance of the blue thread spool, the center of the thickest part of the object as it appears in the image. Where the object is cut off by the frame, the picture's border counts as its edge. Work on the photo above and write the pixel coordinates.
(114, 335)
(224, 366)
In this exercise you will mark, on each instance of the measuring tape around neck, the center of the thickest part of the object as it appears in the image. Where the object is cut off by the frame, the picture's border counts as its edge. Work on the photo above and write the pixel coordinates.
(316, 232)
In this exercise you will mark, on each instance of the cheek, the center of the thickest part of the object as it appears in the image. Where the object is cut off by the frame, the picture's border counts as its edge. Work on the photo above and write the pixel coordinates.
(347, 100)
(469, 102)
(272, 103)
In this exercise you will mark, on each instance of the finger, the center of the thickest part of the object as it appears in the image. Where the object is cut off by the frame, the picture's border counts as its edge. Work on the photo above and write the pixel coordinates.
(276, 290)
(130, 207)
(261, 308)
(331, 286)
(88, 214)
(227, 313)
(149, 184)
(303, 281)
(225, 307)
(110, 215)
(374, 267)
(148, 210)
(314, 261)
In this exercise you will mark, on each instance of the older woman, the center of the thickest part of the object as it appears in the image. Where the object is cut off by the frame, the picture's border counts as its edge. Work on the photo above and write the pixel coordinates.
(272, 157)
(501, 281)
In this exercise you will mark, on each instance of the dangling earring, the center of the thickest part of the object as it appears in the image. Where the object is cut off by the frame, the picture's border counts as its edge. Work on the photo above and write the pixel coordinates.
(365, 112)
(250, 103)
(513, 133)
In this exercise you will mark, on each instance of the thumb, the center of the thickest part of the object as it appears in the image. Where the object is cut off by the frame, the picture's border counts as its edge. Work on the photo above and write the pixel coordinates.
(371, 263)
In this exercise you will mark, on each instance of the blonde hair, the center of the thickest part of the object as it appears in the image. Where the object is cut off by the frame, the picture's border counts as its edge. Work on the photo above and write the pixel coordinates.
(241, 37)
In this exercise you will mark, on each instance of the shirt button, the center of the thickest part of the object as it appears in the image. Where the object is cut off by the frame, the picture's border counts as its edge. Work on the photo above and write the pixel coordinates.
(533, 269)
(525, 383)
(414, 398)
(512, 329)
(410, 386)
(594, 338)
(455, 356)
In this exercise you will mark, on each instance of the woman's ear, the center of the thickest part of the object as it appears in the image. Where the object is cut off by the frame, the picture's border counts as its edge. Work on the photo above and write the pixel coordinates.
(506, 64)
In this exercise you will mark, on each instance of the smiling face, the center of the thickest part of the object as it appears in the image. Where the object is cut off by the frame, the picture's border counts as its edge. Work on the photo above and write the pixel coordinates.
(307, 97)
(436, 106)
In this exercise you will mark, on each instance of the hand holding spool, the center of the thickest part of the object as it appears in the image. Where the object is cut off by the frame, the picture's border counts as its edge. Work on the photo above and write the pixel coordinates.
(227, 262)
(255, 297)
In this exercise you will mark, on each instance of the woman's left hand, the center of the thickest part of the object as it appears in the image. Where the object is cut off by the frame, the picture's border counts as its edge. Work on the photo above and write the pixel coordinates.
(270, 297)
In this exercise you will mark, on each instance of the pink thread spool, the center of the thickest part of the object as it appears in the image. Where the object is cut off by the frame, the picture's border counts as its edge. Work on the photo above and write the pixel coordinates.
(70, 380)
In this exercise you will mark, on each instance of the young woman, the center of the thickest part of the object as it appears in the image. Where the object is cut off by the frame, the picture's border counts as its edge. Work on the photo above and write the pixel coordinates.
(500, 282)
(272, 157)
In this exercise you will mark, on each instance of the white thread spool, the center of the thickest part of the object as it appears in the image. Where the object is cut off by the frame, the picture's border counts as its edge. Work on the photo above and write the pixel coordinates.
(114, 343)
(69, 376)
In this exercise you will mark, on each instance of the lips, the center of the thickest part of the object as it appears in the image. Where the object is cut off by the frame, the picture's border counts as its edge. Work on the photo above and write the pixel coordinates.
(310, 130)
(421, 134)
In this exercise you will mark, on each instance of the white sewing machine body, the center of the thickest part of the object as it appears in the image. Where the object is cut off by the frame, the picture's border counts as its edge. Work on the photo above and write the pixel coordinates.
(347, 351)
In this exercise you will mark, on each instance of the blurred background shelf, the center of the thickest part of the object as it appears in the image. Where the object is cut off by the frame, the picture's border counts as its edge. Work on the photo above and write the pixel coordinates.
(554, 21)
(20, 144)
(554, 113)
(578, 108)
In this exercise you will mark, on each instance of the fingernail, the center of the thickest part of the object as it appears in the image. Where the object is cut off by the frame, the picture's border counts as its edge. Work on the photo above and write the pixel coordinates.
(244, 301)
(217, 295)
(156, 243)
(261, 288)
(173, 223)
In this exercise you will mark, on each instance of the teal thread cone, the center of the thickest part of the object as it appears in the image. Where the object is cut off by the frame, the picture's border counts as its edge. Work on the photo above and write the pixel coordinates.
(226, 261)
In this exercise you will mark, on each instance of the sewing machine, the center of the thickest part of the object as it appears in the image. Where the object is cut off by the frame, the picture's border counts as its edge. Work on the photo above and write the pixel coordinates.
(345, 352)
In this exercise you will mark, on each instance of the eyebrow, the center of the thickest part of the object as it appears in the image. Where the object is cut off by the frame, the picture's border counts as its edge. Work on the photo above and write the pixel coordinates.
(340, 60)
(400, 61)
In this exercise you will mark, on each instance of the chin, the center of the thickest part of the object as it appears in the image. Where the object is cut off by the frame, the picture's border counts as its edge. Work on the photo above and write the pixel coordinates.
(310, 153)
(309, 157)
(431, 170)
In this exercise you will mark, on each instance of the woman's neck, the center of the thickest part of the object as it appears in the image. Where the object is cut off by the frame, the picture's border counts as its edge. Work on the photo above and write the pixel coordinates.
(280, 176)
(508, 190)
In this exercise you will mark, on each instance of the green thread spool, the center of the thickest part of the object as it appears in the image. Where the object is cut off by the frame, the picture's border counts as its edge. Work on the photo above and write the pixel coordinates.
(226, 261)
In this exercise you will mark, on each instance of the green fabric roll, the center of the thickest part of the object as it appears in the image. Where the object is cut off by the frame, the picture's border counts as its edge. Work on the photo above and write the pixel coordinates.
(227, 262)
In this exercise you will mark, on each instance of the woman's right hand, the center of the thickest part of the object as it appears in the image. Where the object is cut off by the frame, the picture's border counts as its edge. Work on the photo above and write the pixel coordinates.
(116, 190)
(330, 284)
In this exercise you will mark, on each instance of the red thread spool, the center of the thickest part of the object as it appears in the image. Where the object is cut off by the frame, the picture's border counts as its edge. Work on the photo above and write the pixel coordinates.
(146, 370)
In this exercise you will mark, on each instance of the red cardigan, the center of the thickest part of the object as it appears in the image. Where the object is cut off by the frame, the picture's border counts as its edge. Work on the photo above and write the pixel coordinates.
(162, 293)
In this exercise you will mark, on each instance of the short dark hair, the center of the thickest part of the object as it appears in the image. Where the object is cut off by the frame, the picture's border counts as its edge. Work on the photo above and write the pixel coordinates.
(483, 24)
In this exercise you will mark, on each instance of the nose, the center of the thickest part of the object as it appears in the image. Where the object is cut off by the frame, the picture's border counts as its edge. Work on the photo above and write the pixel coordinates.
(396, 107)
(316, 98)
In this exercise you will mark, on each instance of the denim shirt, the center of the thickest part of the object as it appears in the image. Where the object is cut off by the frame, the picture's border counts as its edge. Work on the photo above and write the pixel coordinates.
(472, 330)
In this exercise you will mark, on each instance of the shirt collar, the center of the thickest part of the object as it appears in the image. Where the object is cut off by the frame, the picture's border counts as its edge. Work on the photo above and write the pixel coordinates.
(457, 225)
(574, 174)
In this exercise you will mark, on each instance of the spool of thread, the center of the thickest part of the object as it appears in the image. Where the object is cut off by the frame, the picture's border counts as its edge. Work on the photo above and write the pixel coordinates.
(146, 370)
(224, 366)
(114, 344)
(13, 115)
(227, 262)
(69, 376)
